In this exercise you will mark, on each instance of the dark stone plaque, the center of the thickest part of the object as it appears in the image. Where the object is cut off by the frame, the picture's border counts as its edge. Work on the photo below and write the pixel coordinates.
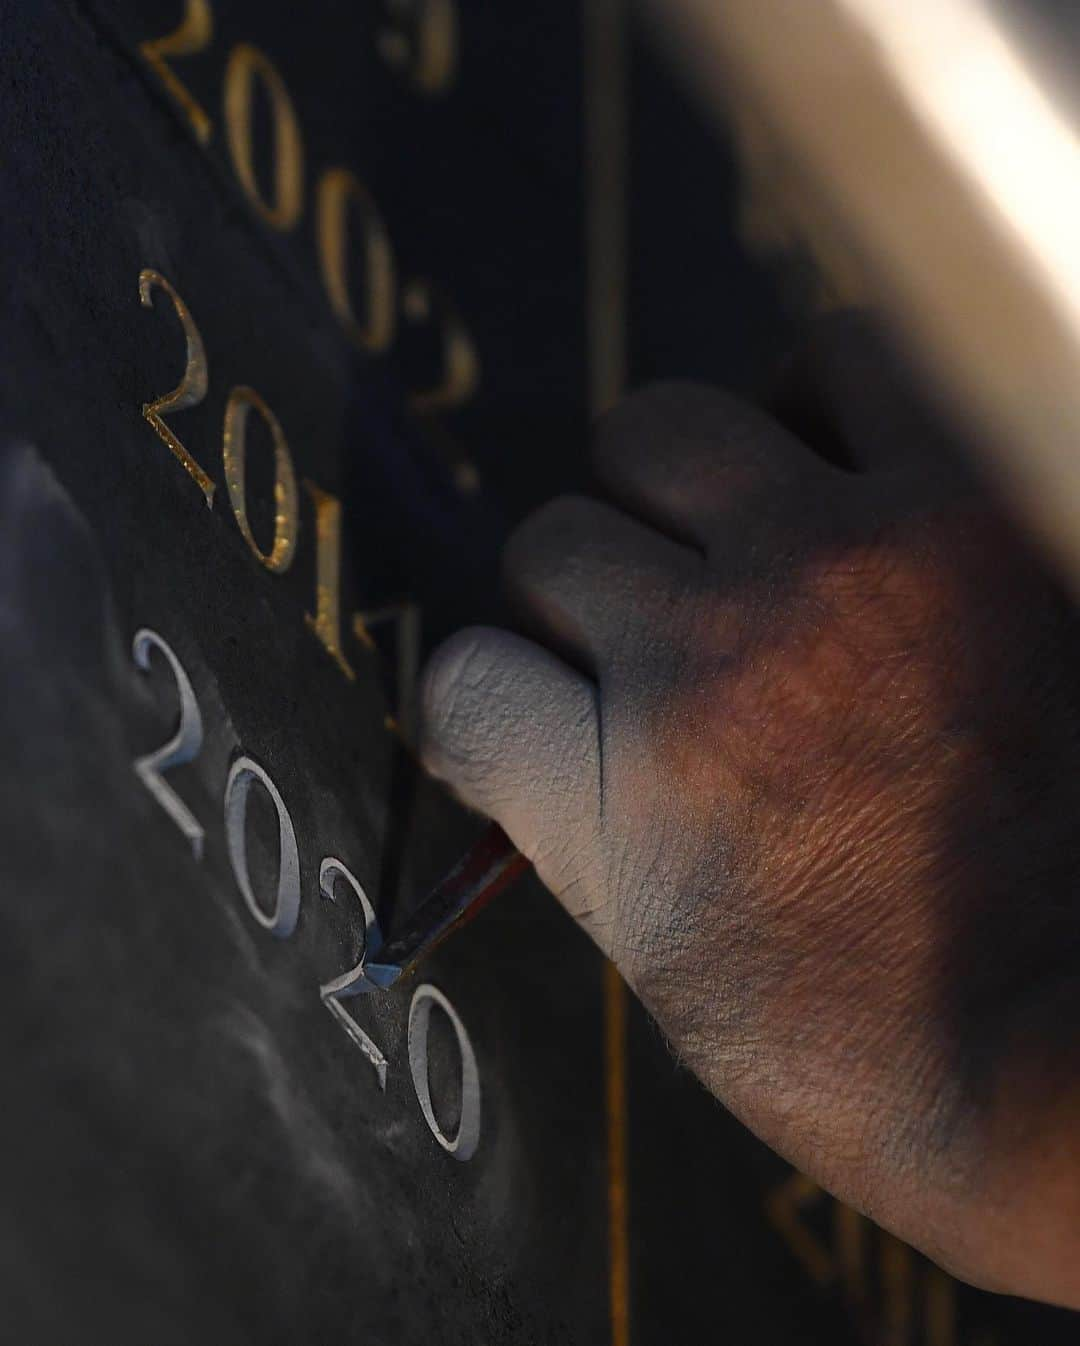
(294, 329)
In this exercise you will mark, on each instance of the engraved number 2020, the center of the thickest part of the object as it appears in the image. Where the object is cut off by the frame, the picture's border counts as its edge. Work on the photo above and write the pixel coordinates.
(280, 915)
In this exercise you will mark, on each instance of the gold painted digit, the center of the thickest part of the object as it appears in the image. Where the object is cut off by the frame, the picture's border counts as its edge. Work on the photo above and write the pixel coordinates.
(461, 364)
(849, 1242)
(784, 1206)
(897, 1279)
(191, 37)
(337, 188)
(940, 1309)
(405, 618)
(326, 623)
(246, 64)
(191, 389)
(286, 505)
(423, 43)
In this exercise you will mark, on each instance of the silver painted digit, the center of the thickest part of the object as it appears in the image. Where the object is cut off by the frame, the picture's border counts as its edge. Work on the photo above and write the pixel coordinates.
(464, 1143)
(184, 745)
(350, 983)
(281, 919)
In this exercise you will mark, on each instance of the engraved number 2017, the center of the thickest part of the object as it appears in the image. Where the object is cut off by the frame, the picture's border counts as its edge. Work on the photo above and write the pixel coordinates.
(241, 402)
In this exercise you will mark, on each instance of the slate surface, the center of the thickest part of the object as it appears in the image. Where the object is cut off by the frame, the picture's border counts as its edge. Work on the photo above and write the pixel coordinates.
(193, 1149)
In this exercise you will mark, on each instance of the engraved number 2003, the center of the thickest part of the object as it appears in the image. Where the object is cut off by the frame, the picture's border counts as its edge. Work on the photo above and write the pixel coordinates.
(280, 915)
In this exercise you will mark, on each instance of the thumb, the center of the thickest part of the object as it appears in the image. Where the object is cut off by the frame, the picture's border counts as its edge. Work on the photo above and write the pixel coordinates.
(514, 732)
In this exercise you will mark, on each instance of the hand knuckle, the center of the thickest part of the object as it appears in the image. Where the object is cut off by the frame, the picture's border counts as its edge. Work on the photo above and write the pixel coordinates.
(458, 685)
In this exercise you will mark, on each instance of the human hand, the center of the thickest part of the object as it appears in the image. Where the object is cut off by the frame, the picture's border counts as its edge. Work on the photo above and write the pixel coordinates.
(800, 748)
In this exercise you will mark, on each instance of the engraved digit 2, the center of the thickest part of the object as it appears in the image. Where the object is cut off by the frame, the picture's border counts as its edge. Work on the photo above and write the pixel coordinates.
(191, 389)
(340, 988)
(182, 747)
(192, 36)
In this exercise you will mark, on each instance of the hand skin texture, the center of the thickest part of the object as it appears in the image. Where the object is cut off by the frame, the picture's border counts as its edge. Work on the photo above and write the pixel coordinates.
(799, 746)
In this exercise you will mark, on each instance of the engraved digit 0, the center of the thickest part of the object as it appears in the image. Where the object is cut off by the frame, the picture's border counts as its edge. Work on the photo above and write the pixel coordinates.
(337, 188)
(184, 745)
(191, 389)
(340, 988)
(423, 42)
(286, 503)
(282, 918)
(246, 64)
(191, 37)
(463, 1145)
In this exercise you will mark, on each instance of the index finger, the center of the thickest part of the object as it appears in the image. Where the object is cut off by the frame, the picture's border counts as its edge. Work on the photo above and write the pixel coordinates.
(515, 733)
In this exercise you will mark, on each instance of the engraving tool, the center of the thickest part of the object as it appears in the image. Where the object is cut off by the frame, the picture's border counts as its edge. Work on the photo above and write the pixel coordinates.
(486, 869)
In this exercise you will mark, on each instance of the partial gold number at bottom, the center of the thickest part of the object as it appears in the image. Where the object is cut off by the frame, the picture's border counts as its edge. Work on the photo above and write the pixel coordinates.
(890, 1298)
